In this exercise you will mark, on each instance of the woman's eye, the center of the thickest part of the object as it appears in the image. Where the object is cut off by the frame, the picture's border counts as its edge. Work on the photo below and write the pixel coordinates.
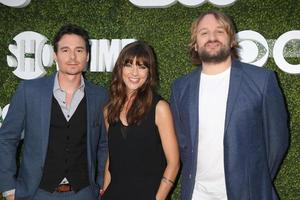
(128, 65)
(142, 67)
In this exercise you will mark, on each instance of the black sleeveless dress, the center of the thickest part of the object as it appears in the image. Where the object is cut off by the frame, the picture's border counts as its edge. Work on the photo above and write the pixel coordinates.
(137, 160)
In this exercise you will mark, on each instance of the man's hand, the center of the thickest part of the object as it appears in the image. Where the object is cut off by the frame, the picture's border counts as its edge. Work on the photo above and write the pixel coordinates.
(10, 197)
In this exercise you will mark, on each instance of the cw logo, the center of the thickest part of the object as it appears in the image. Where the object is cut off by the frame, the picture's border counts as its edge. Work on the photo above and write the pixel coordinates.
(15, 3)
(187, 3)
(31, 55)
(252, 42)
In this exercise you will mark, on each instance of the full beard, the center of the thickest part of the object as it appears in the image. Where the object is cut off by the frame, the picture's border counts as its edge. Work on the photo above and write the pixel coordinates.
(218, 57)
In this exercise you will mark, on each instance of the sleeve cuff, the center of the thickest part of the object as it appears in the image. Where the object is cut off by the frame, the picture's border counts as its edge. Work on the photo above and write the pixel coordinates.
(9, 192)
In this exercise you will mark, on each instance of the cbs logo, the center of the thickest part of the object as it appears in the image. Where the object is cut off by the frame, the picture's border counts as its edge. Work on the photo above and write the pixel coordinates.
(253, 44)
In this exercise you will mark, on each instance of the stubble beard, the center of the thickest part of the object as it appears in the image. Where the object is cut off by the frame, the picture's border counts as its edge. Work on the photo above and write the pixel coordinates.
(218, 57)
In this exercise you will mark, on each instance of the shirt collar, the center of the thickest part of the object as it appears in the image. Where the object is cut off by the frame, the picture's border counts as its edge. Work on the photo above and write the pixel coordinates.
(57, 87)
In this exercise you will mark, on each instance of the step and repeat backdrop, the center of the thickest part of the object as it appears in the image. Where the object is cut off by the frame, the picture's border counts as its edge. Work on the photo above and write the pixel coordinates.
(268, 34)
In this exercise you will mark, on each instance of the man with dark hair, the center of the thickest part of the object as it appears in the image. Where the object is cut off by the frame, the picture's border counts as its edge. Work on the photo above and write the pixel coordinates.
(230, 119)
(65, 137)
(71, 29)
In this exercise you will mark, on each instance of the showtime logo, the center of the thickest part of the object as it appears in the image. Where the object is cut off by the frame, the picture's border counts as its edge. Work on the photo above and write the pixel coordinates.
(31, 54)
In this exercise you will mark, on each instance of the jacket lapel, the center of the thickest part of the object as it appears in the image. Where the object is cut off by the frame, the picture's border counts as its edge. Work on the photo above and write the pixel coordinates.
(193, 105)
(46, 104)
(89, 117)
(234, 86)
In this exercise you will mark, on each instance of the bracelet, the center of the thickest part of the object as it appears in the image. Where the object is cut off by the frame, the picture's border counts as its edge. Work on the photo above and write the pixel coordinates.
(168, 181)
(101, 192)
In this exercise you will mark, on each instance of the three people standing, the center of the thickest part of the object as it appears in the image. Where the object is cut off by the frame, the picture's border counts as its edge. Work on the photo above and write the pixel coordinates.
(230, 121)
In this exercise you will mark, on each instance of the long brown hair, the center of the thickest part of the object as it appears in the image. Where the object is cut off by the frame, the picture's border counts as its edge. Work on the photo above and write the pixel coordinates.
(229, 28)
(117, 90)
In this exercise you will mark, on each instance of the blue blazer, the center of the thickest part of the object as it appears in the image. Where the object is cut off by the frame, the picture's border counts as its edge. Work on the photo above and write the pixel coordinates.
(255, 136)
(30, 110)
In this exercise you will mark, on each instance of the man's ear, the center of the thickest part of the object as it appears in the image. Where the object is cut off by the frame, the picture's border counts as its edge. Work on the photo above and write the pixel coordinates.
(54, 57)
(88, 57)
(233, 42)
(55, 61)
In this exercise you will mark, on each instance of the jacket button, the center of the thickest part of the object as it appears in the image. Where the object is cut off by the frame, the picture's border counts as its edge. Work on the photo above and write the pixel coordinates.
(190, 176)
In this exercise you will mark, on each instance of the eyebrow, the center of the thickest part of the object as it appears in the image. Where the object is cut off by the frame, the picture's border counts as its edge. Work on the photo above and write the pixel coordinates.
(218, 27)
(66, 47)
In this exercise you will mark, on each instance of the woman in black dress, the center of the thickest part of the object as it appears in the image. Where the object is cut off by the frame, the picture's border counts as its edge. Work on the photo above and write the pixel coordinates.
(143, 152)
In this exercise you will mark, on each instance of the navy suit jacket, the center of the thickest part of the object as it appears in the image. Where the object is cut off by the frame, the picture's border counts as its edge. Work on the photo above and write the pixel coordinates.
(30, 110)
(255, 134)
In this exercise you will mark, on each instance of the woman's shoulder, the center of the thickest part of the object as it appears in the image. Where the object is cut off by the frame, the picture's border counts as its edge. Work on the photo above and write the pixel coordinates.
(160, 103)
(157, 98)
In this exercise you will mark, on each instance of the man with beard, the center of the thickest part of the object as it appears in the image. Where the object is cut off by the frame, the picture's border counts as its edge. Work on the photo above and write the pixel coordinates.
(230, 119)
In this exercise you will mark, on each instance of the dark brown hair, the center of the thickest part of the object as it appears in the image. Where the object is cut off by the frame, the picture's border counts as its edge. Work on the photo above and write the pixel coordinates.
(117, 90)
(228, 26)
(71, 29)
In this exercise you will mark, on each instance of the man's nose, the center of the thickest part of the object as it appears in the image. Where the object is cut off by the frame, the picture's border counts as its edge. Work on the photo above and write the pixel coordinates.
(73, 55)
(212, 36)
